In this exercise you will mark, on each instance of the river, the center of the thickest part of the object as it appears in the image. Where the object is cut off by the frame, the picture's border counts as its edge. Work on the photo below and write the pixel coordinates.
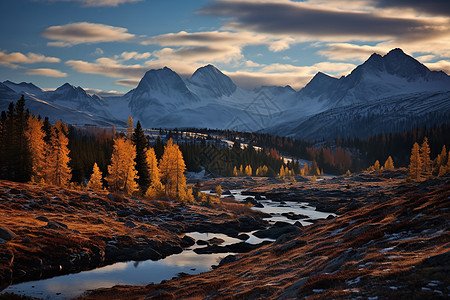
(145, 272)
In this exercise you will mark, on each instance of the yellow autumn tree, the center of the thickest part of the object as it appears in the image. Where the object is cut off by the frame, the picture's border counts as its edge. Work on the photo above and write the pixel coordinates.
(155, 189)
(172, 169)
(95, 183)
(35, 136)
(130, 127)
(58, 171)
(122, 172)
(248, 170)
(415, 164)
(425, 158)
(235, 172)
(389, 164)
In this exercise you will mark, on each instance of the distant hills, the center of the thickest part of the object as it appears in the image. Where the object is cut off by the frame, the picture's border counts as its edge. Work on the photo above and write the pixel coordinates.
(385, 94)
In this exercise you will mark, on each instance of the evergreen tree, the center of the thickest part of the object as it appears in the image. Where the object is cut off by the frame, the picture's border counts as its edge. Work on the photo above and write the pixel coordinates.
(425, 158)
(156, 187)
(415, 165)
(389, 164)
(95, 183)
(122, 173)
(35, 136)
(141, 143)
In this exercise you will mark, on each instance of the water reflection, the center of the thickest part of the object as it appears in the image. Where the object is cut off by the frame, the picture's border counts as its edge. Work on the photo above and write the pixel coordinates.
(132, 273)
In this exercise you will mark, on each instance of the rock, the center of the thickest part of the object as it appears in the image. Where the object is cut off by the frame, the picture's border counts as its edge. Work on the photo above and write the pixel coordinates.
(42, 218)
(129, 224)
(202, 243)
(212, 249)
(216, 241)
(243, 236)
(259, 197)
(298, 224)
(253, 202)
(187, 241)
(330, 217)
(6, 234)
(55, 225)
(227, 192)
(227, 259)
(276, 231)
(85, 198)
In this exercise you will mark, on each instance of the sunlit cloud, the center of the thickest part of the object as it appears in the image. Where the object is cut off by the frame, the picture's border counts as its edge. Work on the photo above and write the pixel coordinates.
(201, 54)
(133, 55)
(46, 72)
(95, 3)
(434, 7)
(102, 93)
(442, 65)
(108, 67)
(85, 33)
(11, 60)
(345, 51)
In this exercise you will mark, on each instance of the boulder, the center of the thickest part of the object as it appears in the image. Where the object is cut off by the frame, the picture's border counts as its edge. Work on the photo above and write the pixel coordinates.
(216, 241)
(6, 234)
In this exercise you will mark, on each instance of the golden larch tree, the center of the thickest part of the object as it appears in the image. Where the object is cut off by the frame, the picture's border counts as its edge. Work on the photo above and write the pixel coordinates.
(235, 172)
(35, 136)
(130, 127)
(122, 172)
(58, 171)
(172, 169)
(95, 183)
(425, 158)
(389, 164)
(415, 164)
(155, 188)
(248, 170)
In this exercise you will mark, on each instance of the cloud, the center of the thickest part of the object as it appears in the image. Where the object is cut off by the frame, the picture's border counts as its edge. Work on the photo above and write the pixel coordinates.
(251, 80)
(127, 82)
(309, 21)
(442, 65)
(133, 55)
(201, 54)
(96, 3)
(435, 7)
(11, 60)
(426, 58)
(46, 72)
(85, 33)
(345, 51)
(211, 38)
(108, 67)
(102, 93)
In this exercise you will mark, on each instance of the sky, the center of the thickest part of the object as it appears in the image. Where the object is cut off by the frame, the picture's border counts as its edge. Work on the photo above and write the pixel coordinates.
(106, 46)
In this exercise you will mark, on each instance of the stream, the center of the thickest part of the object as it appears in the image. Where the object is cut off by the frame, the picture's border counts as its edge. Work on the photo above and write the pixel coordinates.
(145, 272)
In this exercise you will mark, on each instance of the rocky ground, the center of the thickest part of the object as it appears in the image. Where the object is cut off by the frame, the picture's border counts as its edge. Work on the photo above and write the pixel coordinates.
(391, 239)
(47, 231)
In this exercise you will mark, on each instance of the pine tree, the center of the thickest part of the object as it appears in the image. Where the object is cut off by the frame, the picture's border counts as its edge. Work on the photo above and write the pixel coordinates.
(58, 171)
(122, 173)
(389, 164)
(141, 143)
(156, 187)
(35, 136)
(415, 165)
(95, 183)
(426, 161)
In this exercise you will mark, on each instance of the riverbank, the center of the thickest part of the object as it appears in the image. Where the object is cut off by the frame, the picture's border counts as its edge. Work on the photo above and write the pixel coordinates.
(392, 240)
(47, 231)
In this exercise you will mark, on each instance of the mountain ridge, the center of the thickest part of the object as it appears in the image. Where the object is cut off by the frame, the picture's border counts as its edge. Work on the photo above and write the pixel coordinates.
(209, 98)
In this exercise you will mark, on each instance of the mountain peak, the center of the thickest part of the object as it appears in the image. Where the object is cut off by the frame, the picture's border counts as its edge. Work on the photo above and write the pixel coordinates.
(214, 80)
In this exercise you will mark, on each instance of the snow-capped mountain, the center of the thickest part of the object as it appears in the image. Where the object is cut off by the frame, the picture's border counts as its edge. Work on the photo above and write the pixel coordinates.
(384, 94)
(210, 82)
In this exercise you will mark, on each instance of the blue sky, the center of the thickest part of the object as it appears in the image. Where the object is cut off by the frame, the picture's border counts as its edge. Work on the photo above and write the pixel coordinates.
(108, 45)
